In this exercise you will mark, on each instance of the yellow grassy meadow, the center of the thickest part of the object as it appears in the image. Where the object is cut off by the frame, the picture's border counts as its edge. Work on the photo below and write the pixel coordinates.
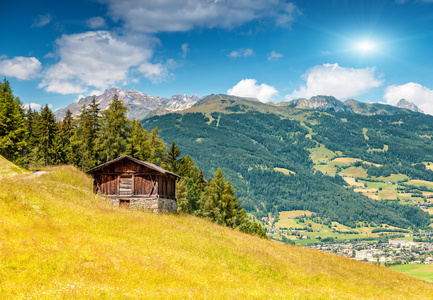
(59, 241)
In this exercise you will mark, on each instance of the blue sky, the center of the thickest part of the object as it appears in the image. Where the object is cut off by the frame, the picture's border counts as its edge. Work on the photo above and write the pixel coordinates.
(374, 51)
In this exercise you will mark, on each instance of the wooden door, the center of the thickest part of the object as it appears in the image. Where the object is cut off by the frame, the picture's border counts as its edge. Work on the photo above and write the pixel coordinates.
(124, 203)
(126, 186)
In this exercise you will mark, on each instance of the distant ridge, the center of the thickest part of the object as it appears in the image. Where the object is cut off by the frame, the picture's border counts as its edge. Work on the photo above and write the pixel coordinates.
(223, 97)
(317, 102)
(330, 103)
(140, 105)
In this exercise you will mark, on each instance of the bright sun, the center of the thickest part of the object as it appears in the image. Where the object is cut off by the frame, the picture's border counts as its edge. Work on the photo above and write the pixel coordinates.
(366, 46)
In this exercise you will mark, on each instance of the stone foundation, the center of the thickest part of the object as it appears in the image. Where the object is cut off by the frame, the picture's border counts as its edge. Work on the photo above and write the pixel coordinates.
(153, 204)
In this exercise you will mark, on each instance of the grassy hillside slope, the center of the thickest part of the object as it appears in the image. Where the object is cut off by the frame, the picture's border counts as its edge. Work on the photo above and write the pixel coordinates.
(8, 168)
(58, 240)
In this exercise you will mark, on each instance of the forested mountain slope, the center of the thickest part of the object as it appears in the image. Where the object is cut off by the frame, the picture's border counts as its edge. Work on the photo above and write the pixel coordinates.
(266, 151)
(59, 241)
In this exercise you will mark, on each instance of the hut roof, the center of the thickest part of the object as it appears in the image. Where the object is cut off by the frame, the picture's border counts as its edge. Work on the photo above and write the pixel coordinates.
(144, 163)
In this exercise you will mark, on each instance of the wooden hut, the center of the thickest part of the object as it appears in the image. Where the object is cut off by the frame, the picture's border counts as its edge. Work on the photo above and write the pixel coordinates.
(129, 182)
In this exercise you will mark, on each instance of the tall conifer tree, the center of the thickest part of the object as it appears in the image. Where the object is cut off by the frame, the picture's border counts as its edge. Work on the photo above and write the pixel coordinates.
(115, 129)
(65, 135)
(139, 142)
(46, 131)
(12, 126)
(157, 146)
(174, 161)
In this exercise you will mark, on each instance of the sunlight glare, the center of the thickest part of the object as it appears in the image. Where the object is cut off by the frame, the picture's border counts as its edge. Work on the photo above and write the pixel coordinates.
(366, 46)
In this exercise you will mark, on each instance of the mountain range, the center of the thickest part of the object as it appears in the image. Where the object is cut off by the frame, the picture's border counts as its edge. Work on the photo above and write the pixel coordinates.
(335, 163)
(330, 103)
(141, 105)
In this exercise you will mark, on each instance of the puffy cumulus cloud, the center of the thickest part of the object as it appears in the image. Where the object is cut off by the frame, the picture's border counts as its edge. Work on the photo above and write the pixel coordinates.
(32, 105)
(96, 59)
(42, 20)
(153, 16)
(274, 55)
(333, 80)
(24, 68)
(241, 53)
(96, 23)
(154, 72)
(418, 94)
(250, 88)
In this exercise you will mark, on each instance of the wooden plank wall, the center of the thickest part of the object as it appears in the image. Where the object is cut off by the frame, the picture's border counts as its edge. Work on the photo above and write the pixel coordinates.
(145, 180)
(167, 186)
(143, 185)
(108, 184)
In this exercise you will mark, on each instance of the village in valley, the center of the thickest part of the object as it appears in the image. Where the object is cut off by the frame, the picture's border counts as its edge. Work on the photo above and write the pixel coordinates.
(384, 245)
(396, 251)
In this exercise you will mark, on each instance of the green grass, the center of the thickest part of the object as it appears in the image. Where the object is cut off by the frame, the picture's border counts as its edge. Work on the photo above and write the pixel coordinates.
(59, 241)
(327, 169)
(284, 171)
(7, 168)
(321, 153)
(394, 178)
(364, 131)
(287, 220)
(420, 271)
(354, 172)
(420, 183)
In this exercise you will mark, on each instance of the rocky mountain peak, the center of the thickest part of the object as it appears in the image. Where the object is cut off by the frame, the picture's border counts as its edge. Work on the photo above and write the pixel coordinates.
(139, 104)
(319, 102)
(403, 103)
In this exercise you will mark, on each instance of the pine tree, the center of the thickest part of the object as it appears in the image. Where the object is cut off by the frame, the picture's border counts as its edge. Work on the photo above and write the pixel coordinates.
(188, 196)
(229, 207)
(201, 181)
(157, 146)
(115, 129)
(139, 142)
(212, 198)
(82, 140)
(188, 168)
(66, 130)
(219, 204)
(46, 131)
(94, 128)
(182, 196)
(174, 161)
(12, 127)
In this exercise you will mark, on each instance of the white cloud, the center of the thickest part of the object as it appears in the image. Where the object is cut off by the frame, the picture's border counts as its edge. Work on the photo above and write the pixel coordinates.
(34, 106)
(42, 20)
(241, 53)
(97, 59)
(250, 88)
(274, 55)
(95, 93)
(153, 16)
(185, 50)
(96, 23)
(333, 80)
(155, 72)
(418, 94)
(23, 68)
